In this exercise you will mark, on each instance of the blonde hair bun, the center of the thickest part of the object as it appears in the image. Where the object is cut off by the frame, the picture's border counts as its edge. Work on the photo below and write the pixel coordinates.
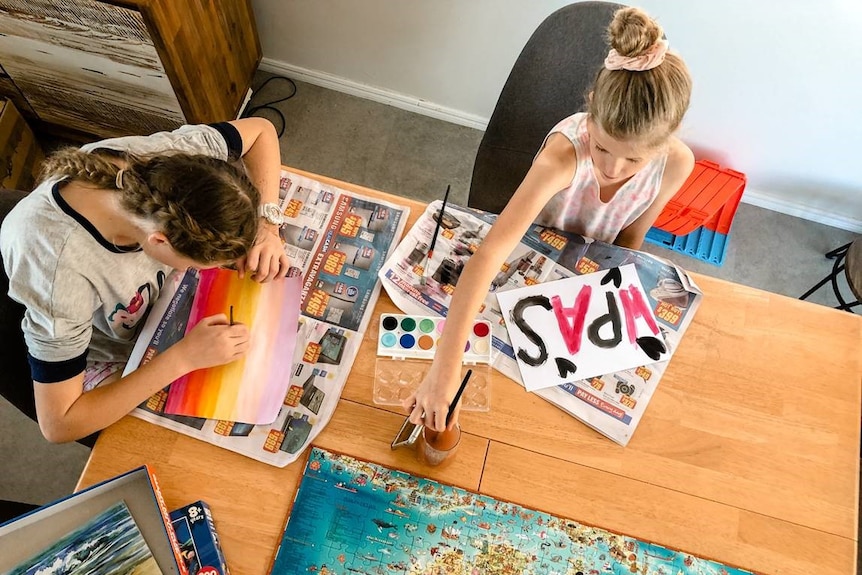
(632, 32)
(642, 91)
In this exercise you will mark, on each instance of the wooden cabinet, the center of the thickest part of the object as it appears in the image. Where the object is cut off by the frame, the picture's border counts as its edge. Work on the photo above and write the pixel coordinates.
(109, 68)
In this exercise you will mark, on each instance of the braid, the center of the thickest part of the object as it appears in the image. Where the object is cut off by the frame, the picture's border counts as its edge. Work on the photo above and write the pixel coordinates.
(207, 208)
(82, 166)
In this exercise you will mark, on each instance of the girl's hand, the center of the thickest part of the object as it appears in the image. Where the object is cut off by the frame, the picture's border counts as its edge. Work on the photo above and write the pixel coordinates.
(214, 341)
(429, 405)
(266, 260)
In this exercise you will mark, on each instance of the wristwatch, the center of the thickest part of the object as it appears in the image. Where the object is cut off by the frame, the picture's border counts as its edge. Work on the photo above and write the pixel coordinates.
(271, 213)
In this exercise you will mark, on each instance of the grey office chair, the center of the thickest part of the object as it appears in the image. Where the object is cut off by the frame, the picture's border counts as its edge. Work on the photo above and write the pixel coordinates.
(548, 82)
(16, 384)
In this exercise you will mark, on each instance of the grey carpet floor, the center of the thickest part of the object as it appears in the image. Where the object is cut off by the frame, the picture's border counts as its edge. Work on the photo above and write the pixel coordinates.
(396, 151)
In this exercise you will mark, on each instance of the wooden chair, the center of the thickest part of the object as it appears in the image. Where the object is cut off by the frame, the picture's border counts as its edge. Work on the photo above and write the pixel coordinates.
(548, 82)
(849, 259)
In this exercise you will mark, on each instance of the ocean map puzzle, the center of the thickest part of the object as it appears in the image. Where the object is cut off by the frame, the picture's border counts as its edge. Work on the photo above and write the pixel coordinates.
(352, 517)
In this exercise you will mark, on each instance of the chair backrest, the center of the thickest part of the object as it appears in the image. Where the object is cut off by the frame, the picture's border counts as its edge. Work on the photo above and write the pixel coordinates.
(548, 82)
(16, 384)
(16, 380)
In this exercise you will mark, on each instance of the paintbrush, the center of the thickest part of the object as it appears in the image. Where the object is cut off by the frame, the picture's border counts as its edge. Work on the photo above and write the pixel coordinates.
(430, 253)
(457, 398)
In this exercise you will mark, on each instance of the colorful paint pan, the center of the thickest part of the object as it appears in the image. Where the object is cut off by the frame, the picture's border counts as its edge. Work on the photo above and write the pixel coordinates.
(416, 336)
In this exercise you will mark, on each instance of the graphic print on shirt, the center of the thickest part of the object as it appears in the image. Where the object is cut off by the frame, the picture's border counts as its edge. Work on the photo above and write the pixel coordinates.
(130, 315)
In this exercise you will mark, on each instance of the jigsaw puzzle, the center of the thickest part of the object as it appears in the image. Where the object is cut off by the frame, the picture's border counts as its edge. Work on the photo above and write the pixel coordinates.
(352, 517)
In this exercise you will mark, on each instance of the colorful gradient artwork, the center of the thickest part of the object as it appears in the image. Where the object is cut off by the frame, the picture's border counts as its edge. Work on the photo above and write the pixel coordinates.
(251, 389)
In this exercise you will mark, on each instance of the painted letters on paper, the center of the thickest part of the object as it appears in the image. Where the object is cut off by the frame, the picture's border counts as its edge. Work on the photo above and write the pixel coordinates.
(581, 327)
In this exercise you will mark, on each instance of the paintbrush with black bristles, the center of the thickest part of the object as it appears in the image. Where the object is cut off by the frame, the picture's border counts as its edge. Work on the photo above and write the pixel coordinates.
(430, 253)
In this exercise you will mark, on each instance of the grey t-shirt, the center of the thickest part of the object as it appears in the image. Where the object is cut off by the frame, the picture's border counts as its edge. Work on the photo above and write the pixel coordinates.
(85, 298)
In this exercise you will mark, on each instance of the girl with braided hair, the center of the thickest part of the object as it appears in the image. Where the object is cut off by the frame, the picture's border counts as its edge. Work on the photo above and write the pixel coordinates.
(605, 174)
(88, 250)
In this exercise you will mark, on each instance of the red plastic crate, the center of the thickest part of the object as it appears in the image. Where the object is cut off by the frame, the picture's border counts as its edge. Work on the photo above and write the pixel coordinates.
(721, 221)
(709, 197)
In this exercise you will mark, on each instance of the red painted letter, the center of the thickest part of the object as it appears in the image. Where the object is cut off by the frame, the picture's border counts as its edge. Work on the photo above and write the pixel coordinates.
(635, 306)
(571, 319)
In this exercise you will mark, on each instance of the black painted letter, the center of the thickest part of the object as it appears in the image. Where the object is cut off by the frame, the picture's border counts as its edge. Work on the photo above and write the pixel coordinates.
(612, 317)
(518, 320)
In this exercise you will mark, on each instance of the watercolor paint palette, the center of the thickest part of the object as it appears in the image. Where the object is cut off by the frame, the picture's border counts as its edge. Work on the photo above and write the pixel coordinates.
(406, 344)
(416, 337)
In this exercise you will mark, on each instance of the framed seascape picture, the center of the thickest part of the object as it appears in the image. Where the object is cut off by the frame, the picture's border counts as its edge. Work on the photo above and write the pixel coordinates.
(109, 543)
(117, 526)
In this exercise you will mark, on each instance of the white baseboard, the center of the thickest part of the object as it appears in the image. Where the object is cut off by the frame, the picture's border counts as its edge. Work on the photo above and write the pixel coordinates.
(381, 95)
(801, 210)
(426, 108)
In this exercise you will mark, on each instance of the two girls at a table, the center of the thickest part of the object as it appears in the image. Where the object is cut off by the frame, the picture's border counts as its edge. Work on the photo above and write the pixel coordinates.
(88, 250)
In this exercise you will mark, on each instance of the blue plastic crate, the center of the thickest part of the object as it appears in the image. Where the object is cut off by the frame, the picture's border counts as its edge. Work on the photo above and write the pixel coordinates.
(703, 243)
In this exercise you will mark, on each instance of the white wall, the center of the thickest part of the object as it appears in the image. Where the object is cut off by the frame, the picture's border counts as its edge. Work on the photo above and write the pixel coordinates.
(778, 83)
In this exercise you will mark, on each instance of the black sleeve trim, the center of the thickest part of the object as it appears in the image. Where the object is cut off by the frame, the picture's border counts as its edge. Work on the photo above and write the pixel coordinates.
(231, 137)
(54, 371)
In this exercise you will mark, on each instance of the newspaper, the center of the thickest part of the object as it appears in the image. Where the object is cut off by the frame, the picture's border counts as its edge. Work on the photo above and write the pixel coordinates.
(338, 241)
(612, 404)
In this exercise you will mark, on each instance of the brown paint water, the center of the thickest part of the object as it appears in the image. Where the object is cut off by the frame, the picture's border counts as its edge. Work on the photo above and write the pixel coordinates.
(435, 447)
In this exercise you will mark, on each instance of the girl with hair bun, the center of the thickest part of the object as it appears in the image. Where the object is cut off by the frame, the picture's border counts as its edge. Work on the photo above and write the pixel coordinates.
(88, 250)
(605, 174)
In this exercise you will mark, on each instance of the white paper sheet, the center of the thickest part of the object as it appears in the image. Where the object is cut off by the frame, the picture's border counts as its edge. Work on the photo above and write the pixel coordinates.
(581, 327)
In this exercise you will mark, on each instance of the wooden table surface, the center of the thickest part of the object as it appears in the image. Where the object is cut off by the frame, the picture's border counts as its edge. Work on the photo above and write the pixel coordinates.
(748, 452)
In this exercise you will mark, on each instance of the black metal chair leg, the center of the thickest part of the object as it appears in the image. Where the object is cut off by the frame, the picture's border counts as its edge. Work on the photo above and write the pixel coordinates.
(842, 303)
(837, 252)
(822, 282)
(839, 255)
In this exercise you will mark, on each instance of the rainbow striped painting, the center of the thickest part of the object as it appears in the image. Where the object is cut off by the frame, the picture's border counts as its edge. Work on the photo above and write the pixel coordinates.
(251, 389)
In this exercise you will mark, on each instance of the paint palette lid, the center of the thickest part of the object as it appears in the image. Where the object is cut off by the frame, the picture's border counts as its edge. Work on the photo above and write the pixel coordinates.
(396, 379)
(416, 337)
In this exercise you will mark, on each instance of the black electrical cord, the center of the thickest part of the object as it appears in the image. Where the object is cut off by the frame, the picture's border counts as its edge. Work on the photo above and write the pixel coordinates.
(271, 105)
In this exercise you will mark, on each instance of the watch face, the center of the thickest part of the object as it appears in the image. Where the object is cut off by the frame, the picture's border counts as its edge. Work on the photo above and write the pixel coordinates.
(272, 213)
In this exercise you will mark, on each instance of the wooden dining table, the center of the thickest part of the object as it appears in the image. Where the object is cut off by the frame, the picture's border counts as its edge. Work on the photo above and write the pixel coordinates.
(748, 453)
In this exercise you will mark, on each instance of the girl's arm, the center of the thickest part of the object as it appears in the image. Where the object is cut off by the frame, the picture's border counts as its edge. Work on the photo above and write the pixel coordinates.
(262, 158)
(552, 171)
(65, 413)
(680, 162)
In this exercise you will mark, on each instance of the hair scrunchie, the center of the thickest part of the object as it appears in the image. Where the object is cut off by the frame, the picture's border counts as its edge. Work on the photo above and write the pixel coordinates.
(646, 61)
